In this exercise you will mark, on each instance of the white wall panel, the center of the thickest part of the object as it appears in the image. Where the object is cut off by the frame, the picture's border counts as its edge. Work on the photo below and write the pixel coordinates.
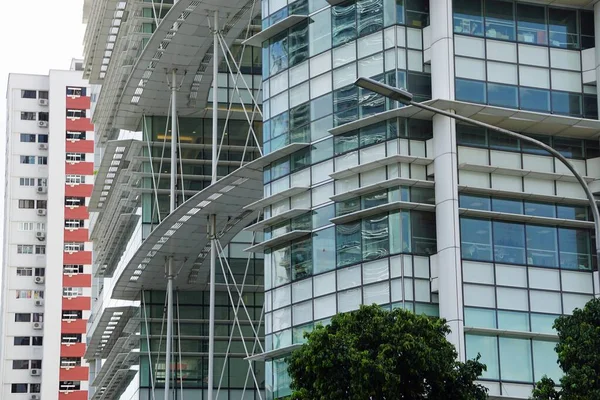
(501, 51)
(533, 55)
(469, 46)
(535, 77)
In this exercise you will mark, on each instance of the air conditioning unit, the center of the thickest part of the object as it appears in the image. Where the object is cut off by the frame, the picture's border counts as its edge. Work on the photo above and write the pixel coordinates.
(41, 236)
(41, 212)
(38, 326)
(39, 302)
(43, 102)
(43, 124)
(34, 397)
(43, 146)
(39, 280)
(35, 372)
(42, 189)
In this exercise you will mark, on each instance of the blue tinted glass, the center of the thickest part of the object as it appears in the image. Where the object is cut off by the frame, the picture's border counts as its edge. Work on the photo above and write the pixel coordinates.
(468, 17)
(487, 346)
(535, 99)
(541, 246)
(474, 202)
(543, 323)
(566, 103)
(540, 209)
(473, 91)
(575, 251)
(513, 321)
(544, 360)
(509, 243)
(476, 239)
(502, 95)
(515, 360)
(499, 20)
(579, 213)
(480, 317)
(507, 206)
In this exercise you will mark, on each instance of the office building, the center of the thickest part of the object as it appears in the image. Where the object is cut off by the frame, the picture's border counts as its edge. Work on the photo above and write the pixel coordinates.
(46, 269)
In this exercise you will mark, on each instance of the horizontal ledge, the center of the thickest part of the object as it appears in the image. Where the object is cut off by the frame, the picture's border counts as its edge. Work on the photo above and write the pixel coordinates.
(381, 185)
(267, 201)
(396, 205)
(563, 222)
(278, 27)
(514, 334)
(294, 212)
(397, 158)
(277, 240)
(279, 153)
(271, 354)
(521, 195)
(521, 172)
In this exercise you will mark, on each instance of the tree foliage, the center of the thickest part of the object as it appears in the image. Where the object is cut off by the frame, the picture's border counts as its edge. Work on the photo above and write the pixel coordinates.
(382, 355)
(578, 352)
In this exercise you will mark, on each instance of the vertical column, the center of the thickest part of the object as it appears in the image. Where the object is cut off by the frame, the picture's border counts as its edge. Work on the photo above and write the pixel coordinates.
(446, 174)
(597, 48)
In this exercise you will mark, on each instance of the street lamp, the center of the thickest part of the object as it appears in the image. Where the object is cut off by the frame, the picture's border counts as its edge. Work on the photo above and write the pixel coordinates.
(406, 97)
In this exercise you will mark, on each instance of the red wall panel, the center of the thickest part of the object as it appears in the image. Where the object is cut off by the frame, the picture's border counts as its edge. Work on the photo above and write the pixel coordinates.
(79, 212)
(74, 326)
(77, 280)
(77, 303)
(79, 103)
(80, 124)
(72, 350)
(74, 374)
(76, 235)
(76, 395)
(81, 190)
(80, 168)
(78, 257)
(80, 146)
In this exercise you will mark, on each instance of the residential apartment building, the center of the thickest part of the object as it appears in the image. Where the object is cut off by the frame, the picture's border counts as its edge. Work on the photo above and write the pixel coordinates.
(46, 268)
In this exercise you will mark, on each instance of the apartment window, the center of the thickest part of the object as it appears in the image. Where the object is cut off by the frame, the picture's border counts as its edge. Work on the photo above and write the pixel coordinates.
(74, 246)
(37, 364)
(75, 157)
(75, 114)
(42, 138)
(40, 226)
(70, 361)
(35, 388)
(42, 204)
(24, 271)
(27, 138)
(43, 160)
(40, 249)
(75, 179)
(27, 159)
(21, 341)
(74, 223)
(72, 269)
(75, 91)
(37, 317)
(27, 116)
(43, 94)
(42, 182)
(23, 294)
(72, 291)
(74, 201)
(26, 226)
(72, 314)
(18, 388)
(22, 317)
(69, 385)
(72, 135)
(70, 338)
(20, 364)
(27, 181)
(24, 249)
(40, 272)
(28, 94)
(37, 340)
(43, 116)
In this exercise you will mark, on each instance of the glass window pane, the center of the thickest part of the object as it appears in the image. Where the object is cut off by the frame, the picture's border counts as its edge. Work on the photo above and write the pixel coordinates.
(507, 206)
(369, 16)
(278, 53)
(375, 238)
(541, 246)
(500, 141)
(563, 28)
(298, 43)
(509, 243)
(323, 250)
(423, 232)
(343, 21)
(320, 32)
(545, 361)
(532, 149)
(473, 91)
(502, 95)
(468, 17)
(474, 202)
(534, 99)
(301, 259)
(575, 251)
(579, 213)
(543, 323)
(515, 360)
(513, 321)
(281, 266)
(419, 84)
(488, 348)
(480, 317)
(499, 20)
(417, 13)
(540, 209)
(531, 24)
(470, 135)
(348, 243)
(566, 103)
(476, 239)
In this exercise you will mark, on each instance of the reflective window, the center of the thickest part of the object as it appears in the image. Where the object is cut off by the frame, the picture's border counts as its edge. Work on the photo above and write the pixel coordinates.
(575, 251)
(541, 246)
(369, 16)
(468, 17)
(476, 239)
(507, 206)
(515, 360)
(375, 237)
(563, 28)
(509, 243)
(343, 21)
(534, 99)
(499, 20)
(540, 209)
(348, 239)
(502, 95)
(319, 32)
(475, 202)
(472, 91)
(488, 348)
(566, 103)
(531, 24)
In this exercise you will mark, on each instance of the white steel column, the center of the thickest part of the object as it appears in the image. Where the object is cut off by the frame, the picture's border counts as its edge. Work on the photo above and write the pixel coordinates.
(596, 274)
(212, 221)
(173, 202)
(446, 175)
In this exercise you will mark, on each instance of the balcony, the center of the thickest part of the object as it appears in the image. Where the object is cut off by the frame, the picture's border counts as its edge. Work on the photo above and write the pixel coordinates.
(79, 124)
(77, 303)
(74, 373)
(78, 257)
(77, 235)
(80, 146)
(75, 395)
(73, 326)
(80, 168)
(79, 103)
(80, 190)
(72, 350)
(76, 212)
(77, 280)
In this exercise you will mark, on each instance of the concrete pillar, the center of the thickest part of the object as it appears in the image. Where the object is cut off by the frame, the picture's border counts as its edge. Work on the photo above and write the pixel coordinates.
(446, 174)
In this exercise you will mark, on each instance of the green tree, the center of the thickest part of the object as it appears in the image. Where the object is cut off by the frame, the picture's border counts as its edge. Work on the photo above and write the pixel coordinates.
(382, 355)
(578, 352)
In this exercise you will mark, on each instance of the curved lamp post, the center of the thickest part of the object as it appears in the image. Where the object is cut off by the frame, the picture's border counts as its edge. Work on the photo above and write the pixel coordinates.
(406, 97)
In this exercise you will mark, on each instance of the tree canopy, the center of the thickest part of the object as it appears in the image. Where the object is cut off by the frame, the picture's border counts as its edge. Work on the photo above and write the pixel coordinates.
(377, 354)
(578, 352)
